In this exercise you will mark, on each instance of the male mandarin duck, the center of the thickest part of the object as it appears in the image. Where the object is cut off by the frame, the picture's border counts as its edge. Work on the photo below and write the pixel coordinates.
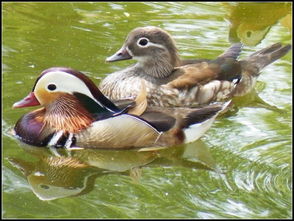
(172, 82)
(76, 114)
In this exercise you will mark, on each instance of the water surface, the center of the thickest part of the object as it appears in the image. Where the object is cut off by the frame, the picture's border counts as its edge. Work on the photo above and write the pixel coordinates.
(241, 168)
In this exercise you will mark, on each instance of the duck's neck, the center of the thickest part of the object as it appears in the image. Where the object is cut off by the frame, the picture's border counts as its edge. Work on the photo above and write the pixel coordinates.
(158, 66)
(67, 115)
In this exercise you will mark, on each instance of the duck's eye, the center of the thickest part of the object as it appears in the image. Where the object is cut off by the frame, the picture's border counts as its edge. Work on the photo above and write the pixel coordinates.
(51, 87)
(44, 186)
(142, 42)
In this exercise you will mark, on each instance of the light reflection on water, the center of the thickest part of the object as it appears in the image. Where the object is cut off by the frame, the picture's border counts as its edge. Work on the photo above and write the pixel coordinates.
(240, 169)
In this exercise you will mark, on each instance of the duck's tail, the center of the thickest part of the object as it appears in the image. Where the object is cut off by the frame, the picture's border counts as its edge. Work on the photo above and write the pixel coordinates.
(196, 123)
(258, 60)
(183, 125)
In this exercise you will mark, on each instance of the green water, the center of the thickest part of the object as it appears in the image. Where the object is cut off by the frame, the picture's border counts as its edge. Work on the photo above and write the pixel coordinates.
(241, 168)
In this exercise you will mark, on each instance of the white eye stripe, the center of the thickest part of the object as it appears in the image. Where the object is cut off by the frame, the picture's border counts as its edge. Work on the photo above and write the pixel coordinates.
(129, 51)
(157, 45)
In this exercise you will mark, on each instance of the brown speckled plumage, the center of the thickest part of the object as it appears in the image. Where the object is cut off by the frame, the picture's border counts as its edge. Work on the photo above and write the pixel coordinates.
(171, 82)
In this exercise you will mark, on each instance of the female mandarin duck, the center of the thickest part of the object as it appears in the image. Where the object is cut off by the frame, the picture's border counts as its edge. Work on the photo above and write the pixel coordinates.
(76, 114)
(171, 82)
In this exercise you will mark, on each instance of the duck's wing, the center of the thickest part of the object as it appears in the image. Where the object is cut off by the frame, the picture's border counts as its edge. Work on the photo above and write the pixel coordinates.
(196, 124)
(192, 61)
(204, 72)
(125, 103)
(159, 119)
(134, 106)
(164, 119)
(191, 125)
(164, 127)
(232, 52)
(120, 132)
(224, 68)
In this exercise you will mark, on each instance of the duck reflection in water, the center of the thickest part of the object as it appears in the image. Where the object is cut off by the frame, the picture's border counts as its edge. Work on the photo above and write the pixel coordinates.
(69, 174)
(250, 22)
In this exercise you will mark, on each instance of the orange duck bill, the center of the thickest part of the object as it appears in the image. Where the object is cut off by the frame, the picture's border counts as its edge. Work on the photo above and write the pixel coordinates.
(28, 101)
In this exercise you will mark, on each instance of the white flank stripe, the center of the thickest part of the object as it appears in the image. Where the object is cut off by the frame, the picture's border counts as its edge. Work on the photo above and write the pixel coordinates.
(55, 138)
(69, 141)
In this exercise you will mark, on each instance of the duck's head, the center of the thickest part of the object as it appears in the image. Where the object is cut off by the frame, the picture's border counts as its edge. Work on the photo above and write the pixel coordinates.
(152, 47)
(71, 100)
(64, 83)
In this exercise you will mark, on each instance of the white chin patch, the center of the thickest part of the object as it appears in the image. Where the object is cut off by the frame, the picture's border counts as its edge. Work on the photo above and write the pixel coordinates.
(141, 59)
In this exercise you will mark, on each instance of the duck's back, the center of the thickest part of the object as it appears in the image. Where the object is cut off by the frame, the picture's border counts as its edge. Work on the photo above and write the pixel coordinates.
(125, 85)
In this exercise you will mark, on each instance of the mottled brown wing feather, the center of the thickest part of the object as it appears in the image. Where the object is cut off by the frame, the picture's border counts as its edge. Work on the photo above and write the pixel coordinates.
(193, 74)
(124, 103)
(140, 101)
(225, 67)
